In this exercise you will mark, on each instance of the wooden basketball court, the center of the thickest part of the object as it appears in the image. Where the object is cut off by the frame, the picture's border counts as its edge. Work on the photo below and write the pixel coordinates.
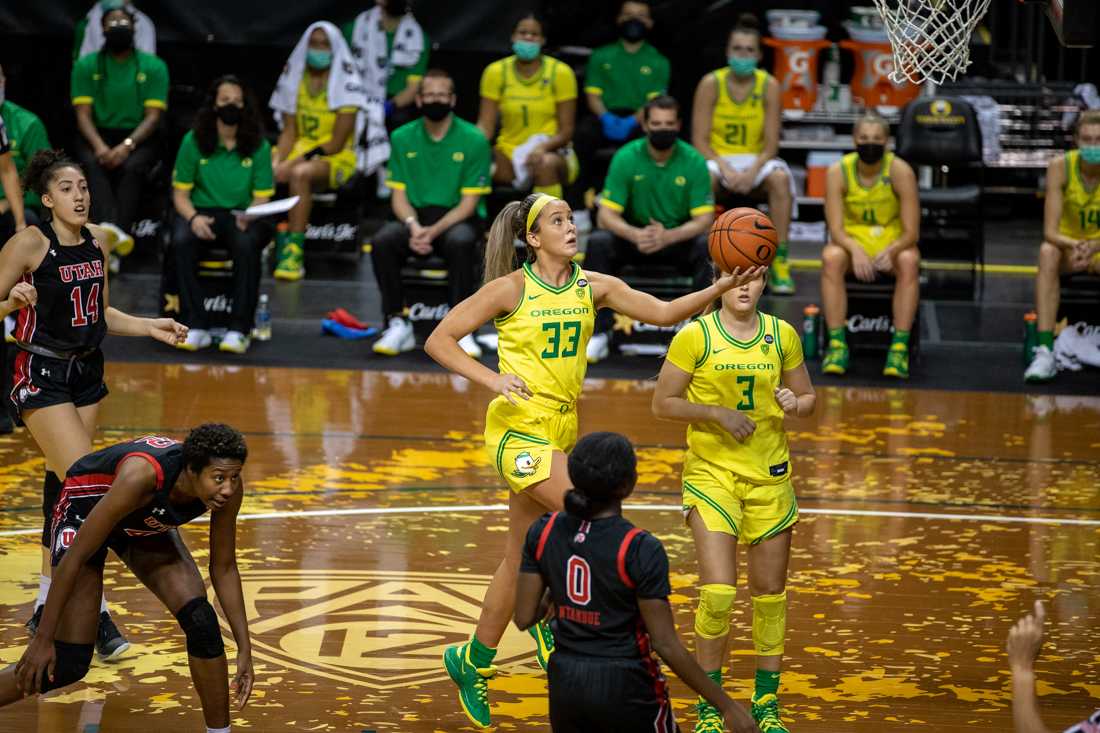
(372, 522)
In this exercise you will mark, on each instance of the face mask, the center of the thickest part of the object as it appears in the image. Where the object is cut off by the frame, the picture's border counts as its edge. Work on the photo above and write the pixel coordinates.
(870, 153)
(318, 59)
(435, 111)
(663, 139)
(230, 114)
(632, 30)
(742, 67)
(1090, 154)
(119, 38)
(526, 50)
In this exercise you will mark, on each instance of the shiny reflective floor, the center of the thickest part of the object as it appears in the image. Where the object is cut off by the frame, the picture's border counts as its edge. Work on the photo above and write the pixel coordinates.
(372, 522)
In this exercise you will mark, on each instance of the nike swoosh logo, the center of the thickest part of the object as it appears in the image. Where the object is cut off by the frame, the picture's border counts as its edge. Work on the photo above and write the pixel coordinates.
(756, 223)
(532, 297)
(715, 351)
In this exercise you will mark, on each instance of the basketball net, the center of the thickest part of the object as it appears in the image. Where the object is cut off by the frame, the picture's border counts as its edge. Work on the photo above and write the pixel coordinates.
(930, 38)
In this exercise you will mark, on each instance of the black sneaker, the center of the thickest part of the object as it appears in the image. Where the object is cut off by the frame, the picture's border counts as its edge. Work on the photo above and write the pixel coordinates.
(32, 624)
(109, 641)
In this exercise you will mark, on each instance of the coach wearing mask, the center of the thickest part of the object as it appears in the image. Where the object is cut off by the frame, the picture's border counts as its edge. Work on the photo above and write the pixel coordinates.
(119, 94)
(656, 206)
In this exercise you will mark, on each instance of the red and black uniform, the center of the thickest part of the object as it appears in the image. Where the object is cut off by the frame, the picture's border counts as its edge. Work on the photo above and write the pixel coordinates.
(603, 675)
(59, 359)
(91, 477)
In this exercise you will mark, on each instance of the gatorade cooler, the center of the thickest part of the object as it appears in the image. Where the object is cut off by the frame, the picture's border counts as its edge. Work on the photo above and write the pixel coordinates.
(874, 63)
(817, 169)
(796, 69)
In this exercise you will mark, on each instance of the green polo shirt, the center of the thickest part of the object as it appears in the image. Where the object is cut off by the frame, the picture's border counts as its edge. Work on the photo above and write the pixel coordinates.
(671, 193)
(626, 80)
(27, 136)
(401, 75)
(439, 173)
(224, 180)
(119, 91)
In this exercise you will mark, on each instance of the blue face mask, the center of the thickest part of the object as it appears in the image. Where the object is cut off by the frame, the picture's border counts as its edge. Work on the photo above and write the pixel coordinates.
(526, 50)
(742, 67)
(1091, 154)
(318, 59)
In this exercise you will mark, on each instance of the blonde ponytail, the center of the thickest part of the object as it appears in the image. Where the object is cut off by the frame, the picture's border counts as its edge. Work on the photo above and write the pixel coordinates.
(510, 225)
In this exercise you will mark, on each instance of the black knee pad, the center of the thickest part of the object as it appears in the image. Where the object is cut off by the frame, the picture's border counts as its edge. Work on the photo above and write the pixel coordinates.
(200, 625)
(72, 662)
(51, 491)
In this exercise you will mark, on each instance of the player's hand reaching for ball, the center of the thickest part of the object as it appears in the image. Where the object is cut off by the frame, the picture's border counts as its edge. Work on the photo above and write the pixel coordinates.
(22, 295)
(167, 331)
(739, 277)
(787, 400)
(1025, 639)
(507, 384)
(736, 423)
(246, 677)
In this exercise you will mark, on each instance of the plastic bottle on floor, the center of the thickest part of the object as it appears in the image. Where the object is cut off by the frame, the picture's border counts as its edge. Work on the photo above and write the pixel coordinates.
(262, 330)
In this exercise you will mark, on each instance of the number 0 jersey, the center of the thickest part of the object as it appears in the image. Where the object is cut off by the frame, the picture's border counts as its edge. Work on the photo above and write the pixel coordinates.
(1080, 206)
(739, 375)
(70, 282)
(543, 341)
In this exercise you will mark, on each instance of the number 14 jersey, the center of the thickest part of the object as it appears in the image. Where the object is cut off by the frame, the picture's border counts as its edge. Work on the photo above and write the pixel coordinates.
(69, 314)
(743, 376)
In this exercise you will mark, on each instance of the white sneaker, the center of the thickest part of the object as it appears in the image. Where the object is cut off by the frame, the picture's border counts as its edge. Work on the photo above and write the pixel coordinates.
(1042, 367)
(234, 342)
(196, 339)
(396, 339)
(599, 348)
(9, 329)
(469, 345)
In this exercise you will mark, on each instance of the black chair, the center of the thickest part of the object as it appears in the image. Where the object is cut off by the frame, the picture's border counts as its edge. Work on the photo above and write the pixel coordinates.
(943, 133)
(1080, 298)
(336, 217)
(871, 314)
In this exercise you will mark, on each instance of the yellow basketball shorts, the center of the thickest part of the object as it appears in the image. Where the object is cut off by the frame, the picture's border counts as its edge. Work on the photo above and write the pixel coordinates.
(728, 503)
(873, 239)
(341, 166)
(521, 439)
(572, 162)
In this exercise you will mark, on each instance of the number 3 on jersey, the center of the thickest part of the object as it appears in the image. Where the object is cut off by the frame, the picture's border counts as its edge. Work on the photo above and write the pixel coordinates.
(83, 315)
(578, 580)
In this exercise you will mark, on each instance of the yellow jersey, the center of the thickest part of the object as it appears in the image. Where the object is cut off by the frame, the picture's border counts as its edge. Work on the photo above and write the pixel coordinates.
(740, 375)
(1080, 206)
(872, 215)
(315, 120)
(527, 106)
(738, 127)
(544, 340)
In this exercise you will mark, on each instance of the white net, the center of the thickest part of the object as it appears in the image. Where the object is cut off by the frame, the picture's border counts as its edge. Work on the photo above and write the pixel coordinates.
(930, 38)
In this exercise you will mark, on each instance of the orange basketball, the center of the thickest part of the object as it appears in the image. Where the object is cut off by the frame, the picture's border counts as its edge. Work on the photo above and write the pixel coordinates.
(744, 238)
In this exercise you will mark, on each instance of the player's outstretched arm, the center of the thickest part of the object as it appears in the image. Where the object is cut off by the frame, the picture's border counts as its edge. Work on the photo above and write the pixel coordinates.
(657, 615)
(1025, 640)
(226, 579)
(611, 292)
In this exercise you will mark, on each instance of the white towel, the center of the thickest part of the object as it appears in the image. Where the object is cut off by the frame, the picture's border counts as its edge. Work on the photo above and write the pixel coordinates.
(145, 33)
(522, 181)
(1076, 346)
(345, 89)
(744, 160)
(368, 44)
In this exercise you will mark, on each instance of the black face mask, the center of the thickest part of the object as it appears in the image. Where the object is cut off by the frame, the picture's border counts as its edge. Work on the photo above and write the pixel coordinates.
(632, 30)
(230, 114)
(435, 111)
(119, 38)
(663, 139)
(870, 153)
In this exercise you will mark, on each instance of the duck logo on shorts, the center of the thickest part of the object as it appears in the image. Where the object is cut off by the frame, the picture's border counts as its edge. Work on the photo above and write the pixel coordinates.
(65, 537)
(526, 465)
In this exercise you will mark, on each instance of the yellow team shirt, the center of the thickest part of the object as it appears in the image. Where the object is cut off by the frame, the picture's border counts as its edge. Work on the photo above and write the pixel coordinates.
(738, 127)
(527, 106)
(314, 120)
(740, 375)
(543, 341)
(1080, 207)
(872, 215)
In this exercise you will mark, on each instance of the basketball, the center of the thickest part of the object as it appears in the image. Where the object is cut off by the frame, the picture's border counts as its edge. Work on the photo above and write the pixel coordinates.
(742, 237)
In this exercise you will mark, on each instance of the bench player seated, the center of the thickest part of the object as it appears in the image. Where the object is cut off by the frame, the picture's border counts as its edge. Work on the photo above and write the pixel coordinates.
(131, 497)
(873, 213)
(1071, 234)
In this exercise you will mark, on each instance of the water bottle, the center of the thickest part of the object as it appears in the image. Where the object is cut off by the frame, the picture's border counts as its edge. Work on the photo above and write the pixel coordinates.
(262, 330)
(810, 328)
(1031, 335)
